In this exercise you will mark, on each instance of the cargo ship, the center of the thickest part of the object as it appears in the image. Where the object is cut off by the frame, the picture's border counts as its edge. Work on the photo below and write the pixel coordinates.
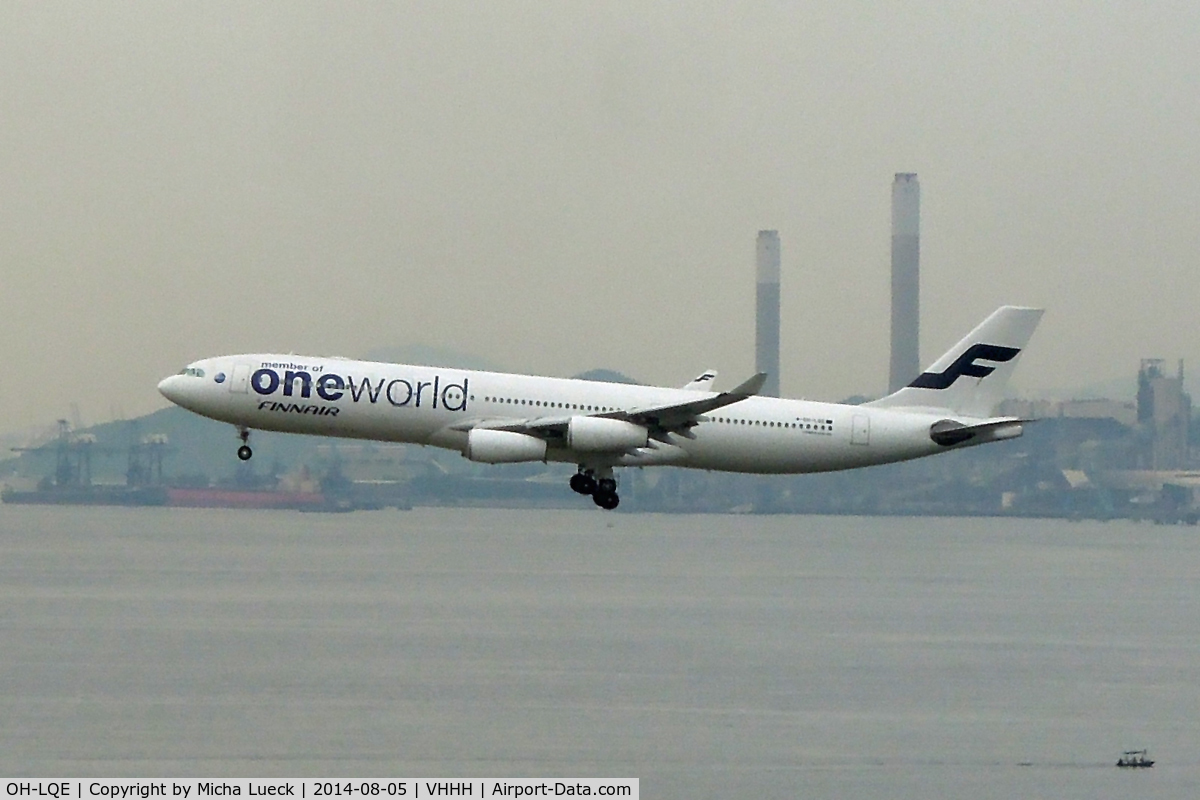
(1135, 759)
(70, 482)
(87, 496)
(167, 496)
(245, 498)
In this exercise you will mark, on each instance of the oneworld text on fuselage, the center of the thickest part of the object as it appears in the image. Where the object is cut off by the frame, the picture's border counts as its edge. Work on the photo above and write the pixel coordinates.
(275, 379)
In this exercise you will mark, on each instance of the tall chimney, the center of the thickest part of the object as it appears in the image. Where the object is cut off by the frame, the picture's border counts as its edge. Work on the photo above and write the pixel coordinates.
(766, 328)
(906, 280)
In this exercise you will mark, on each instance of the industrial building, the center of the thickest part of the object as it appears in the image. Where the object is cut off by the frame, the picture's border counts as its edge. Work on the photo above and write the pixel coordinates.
(1164, 411)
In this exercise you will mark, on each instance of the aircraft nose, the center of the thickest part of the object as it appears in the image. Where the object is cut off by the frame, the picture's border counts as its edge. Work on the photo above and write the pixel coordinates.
(170, 388)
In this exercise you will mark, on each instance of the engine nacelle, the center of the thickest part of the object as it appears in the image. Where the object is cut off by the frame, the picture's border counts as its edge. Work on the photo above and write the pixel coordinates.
(503, 447)
(596, 434)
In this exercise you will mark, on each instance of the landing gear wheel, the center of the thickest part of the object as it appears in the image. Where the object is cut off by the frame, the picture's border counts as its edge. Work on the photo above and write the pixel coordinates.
(603, 490)
(606, 500)
(244, 452)
(583, 483)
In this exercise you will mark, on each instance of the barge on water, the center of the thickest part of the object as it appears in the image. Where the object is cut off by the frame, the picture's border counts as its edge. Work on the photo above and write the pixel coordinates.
(1135, 759)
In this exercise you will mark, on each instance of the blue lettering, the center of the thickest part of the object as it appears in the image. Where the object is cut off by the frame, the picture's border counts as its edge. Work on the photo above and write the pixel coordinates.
(294, 408)
(408, 393)
(329, 387)
(289, 380)
(265, 381)
(421, 385)
(366, 388)
(455, 392)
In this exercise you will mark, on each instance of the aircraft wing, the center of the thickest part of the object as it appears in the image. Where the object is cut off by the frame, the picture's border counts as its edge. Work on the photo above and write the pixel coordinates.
(659, 420)
(678, 417)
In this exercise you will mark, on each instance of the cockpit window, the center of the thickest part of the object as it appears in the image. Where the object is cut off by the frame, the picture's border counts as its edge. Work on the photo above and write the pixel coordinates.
(194, 372)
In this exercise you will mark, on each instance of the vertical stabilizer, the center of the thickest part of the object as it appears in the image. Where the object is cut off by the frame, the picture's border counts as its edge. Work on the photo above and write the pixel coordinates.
(970, 379)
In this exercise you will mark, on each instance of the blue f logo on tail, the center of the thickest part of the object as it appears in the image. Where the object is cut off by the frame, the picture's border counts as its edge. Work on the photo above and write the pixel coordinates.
(965, 365)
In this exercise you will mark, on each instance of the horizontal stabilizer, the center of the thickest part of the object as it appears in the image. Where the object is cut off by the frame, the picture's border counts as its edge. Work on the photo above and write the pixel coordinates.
(949, 433)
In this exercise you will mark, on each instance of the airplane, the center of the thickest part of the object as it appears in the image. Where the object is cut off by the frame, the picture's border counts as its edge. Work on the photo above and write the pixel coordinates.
(496, 418)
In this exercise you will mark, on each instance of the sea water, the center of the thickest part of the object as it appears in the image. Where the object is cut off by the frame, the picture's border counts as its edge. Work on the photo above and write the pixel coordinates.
(709, 656)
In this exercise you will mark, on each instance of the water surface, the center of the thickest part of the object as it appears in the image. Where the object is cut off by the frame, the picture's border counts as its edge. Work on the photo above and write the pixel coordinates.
(709, 656)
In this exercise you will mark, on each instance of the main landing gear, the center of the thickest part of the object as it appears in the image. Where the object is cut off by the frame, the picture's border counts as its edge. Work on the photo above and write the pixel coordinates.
(244, 452)
(603, 490)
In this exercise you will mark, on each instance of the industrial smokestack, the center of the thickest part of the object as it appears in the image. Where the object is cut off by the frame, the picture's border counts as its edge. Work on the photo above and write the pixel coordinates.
(766, 341)
(906, 280)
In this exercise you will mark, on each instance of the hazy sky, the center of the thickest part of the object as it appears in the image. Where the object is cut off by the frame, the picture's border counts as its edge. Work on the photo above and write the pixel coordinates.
(556, 186)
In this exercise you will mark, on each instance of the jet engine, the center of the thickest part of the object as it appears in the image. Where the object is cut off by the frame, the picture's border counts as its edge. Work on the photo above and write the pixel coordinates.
(596, 434)
(503, 447)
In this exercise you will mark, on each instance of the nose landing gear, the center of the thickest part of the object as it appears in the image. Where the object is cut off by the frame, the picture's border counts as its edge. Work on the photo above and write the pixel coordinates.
(603, 490)
(244, 452)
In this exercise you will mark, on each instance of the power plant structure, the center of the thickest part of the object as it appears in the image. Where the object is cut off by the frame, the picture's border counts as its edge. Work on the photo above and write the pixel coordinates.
(906, 281)
(766, 328)
(1164, 411)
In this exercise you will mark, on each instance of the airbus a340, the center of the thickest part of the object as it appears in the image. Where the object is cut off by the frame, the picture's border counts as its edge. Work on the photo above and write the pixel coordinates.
(497, 418)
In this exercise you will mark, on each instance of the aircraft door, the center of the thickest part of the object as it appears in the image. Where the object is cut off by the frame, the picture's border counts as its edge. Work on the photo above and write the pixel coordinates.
(860, 429)
(239, 383)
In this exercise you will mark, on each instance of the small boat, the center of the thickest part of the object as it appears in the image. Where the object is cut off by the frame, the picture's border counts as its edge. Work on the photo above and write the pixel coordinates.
(1135, 758)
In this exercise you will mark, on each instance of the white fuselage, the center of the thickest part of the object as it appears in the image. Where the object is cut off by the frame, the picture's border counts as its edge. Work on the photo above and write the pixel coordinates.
(437, 406)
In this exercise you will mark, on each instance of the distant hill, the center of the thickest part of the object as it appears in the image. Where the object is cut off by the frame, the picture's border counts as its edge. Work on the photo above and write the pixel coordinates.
(605, 376)
(426, 356)
(196, 446)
